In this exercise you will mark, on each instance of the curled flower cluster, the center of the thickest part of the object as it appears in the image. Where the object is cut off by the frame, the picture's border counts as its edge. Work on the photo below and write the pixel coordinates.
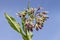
(29, 25)
(40, 18)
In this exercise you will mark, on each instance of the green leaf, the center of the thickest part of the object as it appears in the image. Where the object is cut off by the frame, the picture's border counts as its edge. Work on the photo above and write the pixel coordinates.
(13, 23)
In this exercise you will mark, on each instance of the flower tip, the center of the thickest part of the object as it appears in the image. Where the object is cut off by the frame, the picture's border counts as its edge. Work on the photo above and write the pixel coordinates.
(45, 12)
(40, 27)
(37, 28)
(39, 8)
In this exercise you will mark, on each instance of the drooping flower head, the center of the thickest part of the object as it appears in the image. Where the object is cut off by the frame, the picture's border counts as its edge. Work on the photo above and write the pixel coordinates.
(40, 18)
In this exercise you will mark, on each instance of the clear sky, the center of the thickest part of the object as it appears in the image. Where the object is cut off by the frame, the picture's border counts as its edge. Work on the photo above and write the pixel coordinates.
(51, 29)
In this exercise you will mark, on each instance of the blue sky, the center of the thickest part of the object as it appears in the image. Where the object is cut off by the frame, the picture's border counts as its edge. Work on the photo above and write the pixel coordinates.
(51, 29)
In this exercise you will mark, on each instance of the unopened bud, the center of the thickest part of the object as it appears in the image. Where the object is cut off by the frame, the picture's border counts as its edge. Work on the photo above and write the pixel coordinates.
(45, 12)
(39, 8)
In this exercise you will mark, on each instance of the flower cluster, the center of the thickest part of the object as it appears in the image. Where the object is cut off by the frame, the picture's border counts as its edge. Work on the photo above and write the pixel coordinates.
(40, 18)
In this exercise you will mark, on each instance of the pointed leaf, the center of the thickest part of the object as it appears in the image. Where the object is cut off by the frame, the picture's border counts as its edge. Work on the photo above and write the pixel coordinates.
(13, 23)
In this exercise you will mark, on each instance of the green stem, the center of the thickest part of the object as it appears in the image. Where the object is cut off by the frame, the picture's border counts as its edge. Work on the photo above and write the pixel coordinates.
(28, 4)
(28, 36)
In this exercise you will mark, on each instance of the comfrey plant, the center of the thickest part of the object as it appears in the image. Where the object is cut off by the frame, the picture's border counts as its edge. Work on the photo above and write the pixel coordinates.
(31, 18)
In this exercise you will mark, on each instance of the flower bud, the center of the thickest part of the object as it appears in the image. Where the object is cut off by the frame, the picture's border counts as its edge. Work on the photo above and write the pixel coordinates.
(36, 25)
(22, 14)
(32, 10)
(39, 8)
(37, 28)
(45, 12)
(31, 29)
(40, 27)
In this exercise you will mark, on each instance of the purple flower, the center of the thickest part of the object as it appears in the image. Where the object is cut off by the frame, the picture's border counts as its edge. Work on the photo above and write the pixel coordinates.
(29, 26)
(33, 13)
(45, 12)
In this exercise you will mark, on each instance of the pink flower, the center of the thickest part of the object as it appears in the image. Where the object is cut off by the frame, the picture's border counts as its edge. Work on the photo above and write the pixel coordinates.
(45, 12)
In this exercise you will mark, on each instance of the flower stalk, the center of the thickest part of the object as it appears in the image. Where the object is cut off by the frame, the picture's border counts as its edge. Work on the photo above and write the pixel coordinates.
(27, 22)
